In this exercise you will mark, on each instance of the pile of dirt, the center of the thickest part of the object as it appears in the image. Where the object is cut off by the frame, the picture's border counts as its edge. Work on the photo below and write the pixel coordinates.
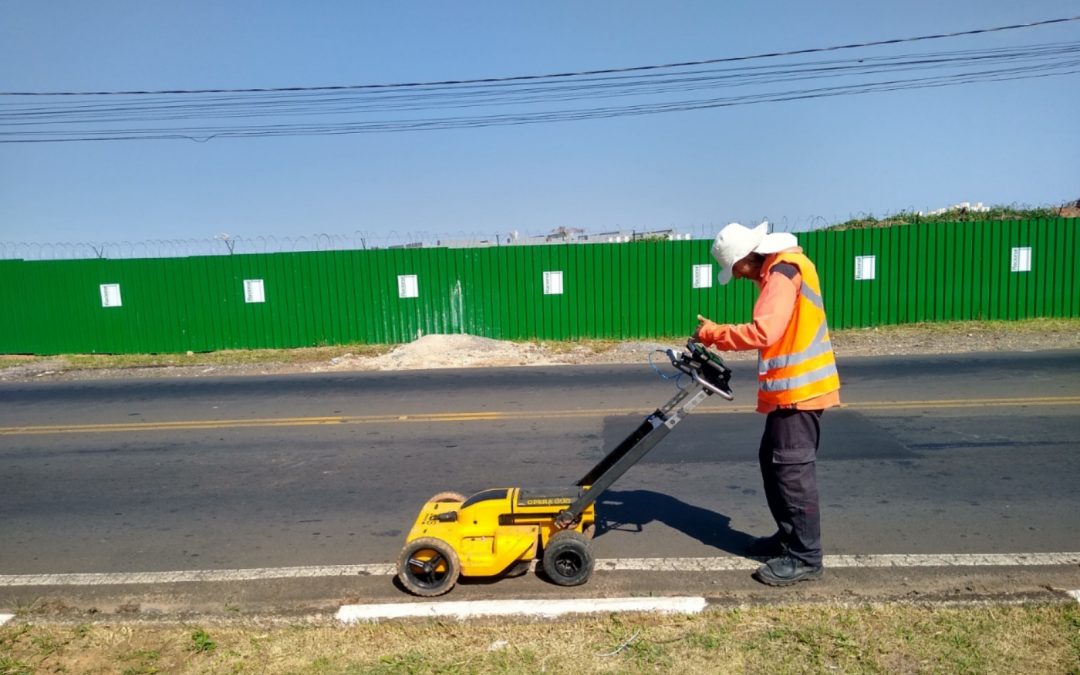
(470, 351)
(446, 351)
(1070, 210)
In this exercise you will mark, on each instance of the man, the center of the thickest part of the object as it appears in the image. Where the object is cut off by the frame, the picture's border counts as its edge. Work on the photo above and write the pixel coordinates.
(797, 380)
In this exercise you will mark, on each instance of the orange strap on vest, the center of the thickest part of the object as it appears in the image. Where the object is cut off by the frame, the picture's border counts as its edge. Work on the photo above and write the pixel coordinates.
(801, 364)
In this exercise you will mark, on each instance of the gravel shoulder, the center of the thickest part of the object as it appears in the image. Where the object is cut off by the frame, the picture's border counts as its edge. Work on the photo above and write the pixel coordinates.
(468, 351)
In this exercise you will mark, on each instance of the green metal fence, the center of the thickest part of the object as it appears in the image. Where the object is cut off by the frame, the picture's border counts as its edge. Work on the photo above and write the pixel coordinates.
(928, 272)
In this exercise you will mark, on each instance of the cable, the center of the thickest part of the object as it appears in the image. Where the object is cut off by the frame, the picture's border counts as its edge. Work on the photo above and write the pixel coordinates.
(659, 372)
(161, 108)
(205, 133)
(537, 100)
(605, 71)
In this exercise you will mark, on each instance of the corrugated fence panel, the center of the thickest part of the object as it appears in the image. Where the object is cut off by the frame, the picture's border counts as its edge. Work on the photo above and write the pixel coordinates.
(949, 280)
(638, 311)
(13, 298)
(368, 296)
(1066, 274)
(1026, 291)
(891, 277)
(1065, 254)
(923, 272)
(1006, 237)
(1042, 273)
(601, 287)
(607, 282)
(998, 273)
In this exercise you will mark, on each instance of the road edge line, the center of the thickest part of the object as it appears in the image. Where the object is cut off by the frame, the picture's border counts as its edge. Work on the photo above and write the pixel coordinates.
(702, 564)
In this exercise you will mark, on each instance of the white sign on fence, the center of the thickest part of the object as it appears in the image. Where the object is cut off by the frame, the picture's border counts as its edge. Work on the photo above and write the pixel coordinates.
(1021, 259)
(254, 291)
(703, 276)
(865, 267)
(553, 283)
(408, 286)
(110, 295)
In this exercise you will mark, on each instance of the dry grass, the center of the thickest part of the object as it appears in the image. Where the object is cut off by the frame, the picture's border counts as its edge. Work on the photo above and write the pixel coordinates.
(16, 360)
(299, 356)
(1038, 638)
(1025, 327)
(571, 346)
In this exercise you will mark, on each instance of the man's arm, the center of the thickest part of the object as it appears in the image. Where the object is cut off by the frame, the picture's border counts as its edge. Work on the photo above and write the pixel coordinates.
(772, 313)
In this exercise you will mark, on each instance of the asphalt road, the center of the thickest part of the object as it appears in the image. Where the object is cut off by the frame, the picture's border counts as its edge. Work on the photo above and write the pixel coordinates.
(940, 454)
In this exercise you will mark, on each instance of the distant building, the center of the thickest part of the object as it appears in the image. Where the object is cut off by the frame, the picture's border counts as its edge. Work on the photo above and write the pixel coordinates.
(966, 207)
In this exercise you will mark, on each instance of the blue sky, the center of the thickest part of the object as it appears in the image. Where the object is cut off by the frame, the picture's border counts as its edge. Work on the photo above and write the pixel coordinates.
(795, 163)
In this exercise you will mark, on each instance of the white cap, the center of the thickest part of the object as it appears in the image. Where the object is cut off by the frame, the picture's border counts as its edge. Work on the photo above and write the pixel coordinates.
(734, 242)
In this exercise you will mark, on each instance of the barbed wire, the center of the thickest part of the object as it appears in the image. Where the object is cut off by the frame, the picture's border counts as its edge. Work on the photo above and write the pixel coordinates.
(226, 244)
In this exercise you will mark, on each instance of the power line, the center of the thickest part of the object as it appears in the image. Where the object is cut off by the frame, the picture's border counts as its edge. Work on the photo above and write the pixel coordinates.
(203, 134)
(304, 103)
(531, 99)
(517, 78)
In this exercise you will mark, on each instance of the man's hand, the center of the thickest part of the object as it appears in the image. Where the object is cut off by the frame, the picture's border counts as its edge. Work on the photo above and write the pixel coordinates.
(702, 323)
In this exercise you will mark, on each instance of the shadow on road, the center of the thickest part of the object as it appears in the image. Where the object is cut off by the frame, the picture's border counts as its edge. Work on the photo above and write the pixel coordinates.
(629, 510)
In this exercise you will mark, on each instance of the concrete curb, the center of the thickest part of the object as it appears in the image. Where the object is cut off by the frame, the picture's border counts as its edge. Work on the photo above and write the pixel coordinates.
(546, 609)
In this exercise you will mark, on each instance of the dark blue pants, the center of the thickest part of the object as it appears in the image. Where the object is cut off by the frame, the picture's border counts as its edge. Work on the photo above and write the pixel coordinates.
(787, 457)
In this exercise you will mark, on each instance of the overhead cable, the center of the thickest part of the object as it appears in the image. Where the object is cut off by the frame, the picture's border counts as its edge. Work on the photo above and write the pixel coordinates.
(645, 90)
(605, 71)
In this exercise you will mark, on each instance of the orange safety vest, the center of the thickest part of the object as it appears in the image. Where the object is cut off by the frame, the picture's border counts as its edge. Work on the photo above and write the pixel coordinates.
(800, 365)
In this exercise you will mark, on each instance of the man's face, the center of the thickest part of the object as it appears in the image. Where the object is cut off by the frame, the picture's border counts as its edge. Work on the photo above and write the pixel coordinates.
(747, 268)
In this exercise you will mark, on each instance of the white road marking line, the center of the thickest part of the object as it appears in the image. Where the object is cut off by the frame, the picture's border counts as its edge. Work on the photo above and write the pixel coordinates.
(538, 608)
(731, 563)
(718, 564)
(4, 618)
(182, 576)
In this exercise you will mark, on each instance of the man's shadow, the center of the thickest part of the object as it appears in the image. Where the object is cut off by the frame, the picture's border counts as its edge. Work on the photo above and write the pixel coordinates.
(630, 510)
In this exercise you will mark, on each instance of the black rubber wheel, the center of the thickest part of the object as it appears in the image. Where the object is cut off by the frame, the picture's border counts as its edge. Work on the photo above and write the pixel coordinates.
(568, 561)
(428, 567)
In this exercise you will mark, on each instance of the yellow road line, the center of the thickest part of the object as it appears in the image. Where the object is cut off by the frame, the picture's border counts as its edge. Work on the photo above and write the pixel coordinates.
(195, 425)
(167, 426)
(968, 403)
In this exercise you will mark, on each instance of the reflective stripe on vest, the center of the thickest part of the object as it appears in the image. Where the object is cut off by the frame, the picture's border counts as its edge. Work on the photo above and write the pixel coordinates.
(818, 346)
(822, 373)
(811, 295)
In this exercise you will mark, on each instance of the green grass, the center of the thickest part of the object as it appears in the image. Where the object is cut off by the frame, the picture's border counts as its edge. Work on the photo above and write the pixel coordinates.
(201, 642)
(957, 216)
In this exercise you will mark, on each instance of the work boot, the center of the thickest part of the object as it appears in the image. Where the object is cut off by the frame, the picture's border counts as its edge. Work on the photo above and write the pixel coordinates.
(766, 547)
(786, 570)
